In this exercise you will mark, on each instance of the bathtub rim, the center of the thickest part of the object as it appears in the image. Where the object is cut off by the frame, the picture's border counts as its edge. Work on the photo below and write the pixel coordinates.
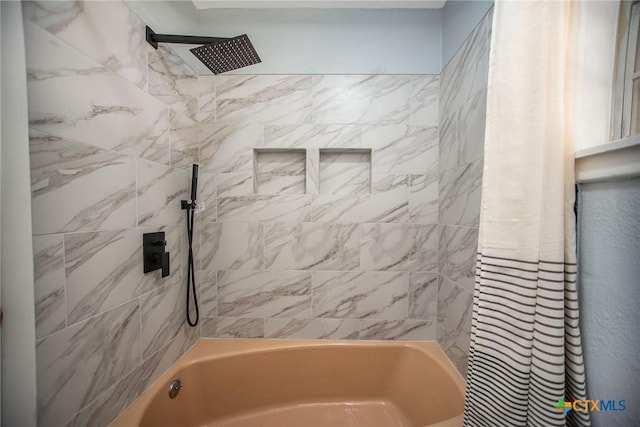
(208, 349)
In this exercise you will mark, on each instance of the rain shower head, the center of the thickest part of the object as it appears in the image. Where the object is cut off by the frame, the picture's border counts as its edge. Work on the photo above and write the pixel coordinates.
(217, 53)
(227, 55)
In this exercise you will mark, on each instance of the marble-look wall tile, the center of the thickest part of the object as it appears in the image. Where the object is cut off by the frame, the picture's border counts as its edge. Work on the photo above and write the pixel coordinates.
(103, 269)
(313, 136)
(206, 99)
(227, 327)
(280, 171)
(423, 295)
(208, 293)
(377, 99)
(111, 403)
(89, 27)
(407, 330)
(467, 71)
(448, 146)
(235, 184)
(399, 247)
(207, 210)
(163, 313)
(263, 208)
(232, 246)
(172, 81)
(77, 364)
(49, 280)
(160, 189)
(78, 187)
(331, 329)
(377, 295)
(454, 318)
(425, 100)
(401, 150)
(345, 172)
(263, 99)
(457, 254)
(460, 193)
(184, 140)
(312, 184)
(311, 246)
(389, 202)
(73, 97)
(228, 147)
(262, 294)
(423, 199)
(472, 119)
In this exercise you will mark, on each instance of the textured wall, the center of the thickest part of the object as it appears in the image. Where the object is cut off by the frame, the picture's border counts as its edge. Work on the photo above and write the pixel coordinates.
(352, 252)
(111, 124)
(463, 92)
(608, 247)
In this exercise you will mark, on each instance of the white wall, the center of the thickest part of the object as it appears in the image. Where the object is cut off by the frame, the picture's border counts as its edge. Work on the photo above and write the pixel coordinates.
(459, 18)
(609, 291)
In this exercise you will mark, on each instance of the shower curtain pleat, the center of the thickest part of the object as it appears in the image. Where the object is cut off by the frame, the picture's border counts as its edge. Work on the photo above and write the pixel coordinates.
(525, 351)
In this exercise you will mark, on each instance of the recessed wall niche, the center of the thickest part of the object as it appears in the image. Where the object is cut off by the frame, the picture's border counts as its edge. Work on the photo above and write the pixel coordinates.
(279, 171)
(345, 171)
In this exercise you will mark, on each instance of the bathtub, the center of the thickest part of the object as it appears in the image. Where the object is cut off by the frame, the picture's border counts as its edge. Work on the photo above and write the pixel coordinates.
(296, 383)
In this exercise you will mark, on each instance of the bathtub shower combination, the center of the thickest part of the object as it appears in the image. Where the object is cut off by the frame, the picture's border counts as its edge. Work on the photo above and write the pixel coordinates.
(289, 383)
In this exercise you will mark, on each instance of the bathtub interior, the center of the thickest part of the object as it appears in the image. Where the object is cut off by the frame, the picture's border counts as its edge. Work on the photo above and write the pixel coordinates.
(368, 385)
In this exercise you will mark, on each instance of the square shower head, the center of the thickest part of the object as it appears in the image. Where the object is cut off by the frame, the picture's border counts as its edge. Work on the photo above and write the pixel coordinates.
(227, 55)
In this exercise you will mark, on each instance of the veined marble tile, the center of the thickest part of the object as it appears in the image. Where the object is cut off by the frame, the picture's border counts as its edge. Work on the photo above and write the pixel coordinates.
(312, 184)
(345, 172)
(261, 208)
(172, 81)
(103, 269)
(160, 189)
(208, 186)
(113, 402)
(473, 115)
(78, 363)
(407, 330)
(206, 283)
(423, 295)
(228, 147)
(399, 247)
(467, 72)
(457, 254)
(280, 172)
(389, 202)
(377, 295)
(448, 149)
(232, 246)
(235, 184)
(78, 187)
(374, 99)
(228, 327)
(163, 313)
(423, 199)
(313, 136)
(402, 150)
(108, 32)
(425, 96)
(311, 246)
(455, 309)
(184, 140)
(260, 294)
(263, 99)
(460, 194)
(206, 99)
(331, 329)
(72, 96)
(48, 263)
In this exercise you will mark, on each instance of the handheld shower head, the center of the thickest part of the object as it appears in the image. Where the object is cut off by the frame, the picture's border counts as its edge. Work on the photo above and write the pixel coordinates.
(194, 182)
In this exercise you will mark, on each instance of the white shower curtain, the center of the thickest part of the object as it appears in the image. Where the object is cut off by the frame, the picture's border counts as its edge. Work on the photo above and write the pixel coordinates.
(526, 351)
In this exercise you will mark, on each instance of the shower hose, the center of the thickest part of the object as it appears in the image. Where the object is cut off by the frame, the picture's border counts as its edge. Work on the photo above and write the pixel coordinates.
(191, 275)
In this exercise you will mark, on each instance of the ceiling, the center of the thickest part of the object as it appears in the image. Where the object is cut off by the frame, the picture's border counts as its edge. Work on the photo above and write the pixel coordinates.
(319, 4)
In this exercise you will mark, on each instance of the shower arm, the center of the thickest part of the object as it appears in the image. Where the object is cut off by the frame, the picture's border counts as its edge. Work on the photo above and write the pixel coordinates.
(153, 39)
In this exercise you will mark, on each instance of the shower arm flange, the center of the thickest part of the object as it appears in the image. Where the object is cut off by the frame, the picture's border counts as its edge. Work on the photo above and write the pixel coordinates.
(153, 39)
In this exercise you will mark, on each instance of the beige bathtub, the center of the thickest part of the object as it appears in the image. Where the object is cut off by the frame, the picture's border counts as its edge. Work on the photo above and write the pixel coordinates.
(293, 383)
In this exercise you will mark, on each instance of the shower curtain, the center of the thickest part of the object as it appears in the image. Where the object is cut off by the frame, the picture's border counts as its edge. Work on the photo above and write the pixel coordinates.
(525, 358)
